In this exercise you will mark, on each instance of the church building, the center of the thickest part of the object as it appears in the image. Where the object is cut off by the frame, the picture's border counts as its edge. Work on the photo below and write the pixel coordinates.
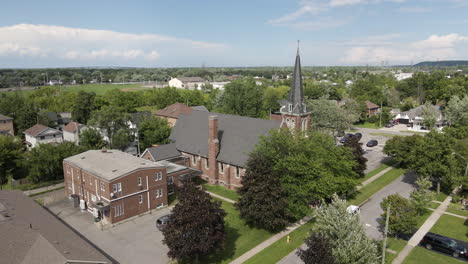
(218, 145)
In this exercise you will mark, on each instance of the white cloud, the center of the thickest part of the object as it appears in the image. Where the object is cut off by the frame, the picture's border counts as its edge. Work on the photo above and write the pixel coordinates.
(435, 47)
(88, 44)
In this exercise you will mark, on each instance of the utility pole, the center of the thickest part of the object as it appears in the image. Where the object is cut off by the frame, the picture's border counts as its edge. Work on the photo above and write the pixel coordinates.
(385, 235)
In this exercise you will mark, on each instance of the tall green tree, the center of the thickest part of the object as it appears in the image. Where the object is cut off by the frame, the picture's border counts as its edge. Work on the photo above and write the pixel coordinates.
(110, 119)
(243, 97)
(457, 111)
(153, 130)
(327, 115)
(121, 139)
(11, 157)
(45, 162)
(196, 225)
(90, 138)
(402, 219)
(345, 233)
(429, 115)
(358, 153)
(262, 202)
(83, 106)
(422, 196)
(318, 251)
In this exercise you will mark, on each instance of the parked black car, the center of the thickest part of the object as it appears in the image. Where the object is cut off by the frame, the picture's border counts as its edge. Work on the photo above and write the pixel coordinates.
(358, 136)
(389, 125)
(444, 244)
(162, 222)
(346, 137)
(372, 143)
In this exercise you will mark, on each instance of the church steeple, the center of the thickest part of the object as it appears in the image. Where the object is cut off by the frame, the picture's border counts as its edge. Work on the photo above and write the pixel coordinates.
(295, 115)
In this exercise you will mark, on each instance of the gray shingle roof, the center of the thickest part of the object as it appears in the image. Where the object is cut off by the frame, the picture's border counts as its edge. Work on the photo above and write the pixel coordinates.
(164, 152)
(2, 117)
(417, 111)
(238, 135)
(296, 93)
(47, 241)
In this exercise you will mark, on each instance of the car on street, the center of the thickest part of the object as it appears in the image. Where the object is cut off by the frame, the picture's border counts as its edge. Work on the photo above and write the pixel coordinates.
(389, 125)
(346, 137)
(353, 209)
(372, 143)
(162, 222)
(444, 244)
(358, 136)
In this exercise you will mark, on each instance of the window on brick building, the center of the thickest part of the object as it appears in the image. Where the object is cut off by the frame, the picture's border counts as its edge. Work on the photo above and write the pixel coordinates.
(140, 198)
(103, 188)
(194, 159)
(158, 176)
(207, 164)
(170, 180)
(221, 167)
(118, 210)
(237, 172)
(139, 181)
(117, 187)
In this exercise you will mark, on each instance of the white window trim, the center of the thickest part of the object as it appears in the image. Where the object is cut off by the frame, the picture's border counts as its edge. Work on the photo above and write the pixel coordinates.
(207, 164)
(290, 107)
(139, 181)
(140, 198)
(221, 167)
(238, 172)
(170, 180)
(103, 188)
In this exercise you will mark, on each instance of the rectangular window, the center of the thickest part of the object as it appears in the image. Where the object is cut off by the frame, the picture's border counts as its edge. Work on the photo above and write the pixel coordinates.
(117, 187)
(93, 197)
(114, 187)
(207, 164)
(171, 180)
(290, 107)
(158, 176)
(194, 159)
(42, 137)
(221, 167)
(103, 188)
(237, 172)
(118, 210)
(140, 198)
(139, 181)
(157, 193)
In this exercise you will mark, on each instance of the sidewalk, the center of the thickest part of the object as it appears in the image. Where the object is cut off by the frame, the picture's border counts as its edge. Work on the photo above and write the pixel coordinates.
(270, 241)
(43, 189)
(416, 238)
(221, 197)
(373, 178)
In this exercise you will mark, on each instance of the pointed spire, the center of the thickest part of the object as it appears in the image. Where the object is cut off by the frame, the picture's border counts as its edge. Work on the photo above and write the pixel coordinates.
(296, 94)
(297, 54)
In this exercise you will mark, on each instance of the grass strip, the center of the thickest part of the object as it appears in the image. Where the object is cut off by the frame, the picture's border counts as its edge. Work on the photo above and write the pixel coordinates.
(421, 255)
(48, 191)
(220, 190)
(451, 226)
(383, 134)
(281, 248)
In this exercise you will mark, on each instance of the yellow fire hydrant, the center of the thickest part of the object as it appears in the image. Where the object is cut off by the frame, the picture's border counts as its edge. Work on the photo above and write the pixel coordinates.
(288, 238)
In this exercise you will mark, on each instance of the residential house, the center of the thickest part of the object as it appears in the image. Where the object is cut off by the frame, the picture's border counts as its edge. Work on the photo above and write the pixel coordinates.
(219, 85)
(72, 132)
(371, 108)
(6, 125)
(414, 117)
(54, 119)
(191, 83)
(403, 75)
(218, 145)
(40, 134)
(113, 185)
(172, 112)
(31, 234)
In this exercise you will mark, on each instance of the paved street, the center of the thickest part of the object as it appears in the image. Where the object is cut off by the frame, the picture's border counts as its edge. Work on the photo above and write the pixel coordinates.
(135, 241)
(371, 211)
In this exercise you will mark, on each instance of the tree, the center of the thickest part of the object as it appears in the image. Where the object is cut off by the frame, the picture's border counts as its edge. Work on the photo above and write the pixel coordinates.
(358, 152)
(45, 162)
(262, 202)
(153, 130)
(402, 218)
(329, 116)
(402, 148)
(457, 111)
(196, 225)
(83, 106)
(91, 139)
(110, 119)
(318, 250)
(345, 233)
(422, 196)
(10, 157)
(243, 97)
(429, 115)
(121, 139)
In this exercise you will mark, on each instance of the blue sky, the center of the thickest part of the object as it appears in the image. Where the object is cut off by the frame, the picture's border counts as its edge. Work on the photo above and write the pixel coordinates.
(57, 33)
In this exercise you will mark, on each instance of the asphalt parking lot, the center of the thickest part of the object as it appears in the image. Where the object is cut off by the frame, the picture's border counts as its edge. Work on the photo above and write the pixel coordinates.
(135, 241)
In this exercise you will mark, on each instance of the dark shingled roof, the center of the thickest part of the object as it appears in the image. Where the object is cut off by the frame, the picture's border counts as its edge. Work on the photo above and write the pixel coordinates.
(30, 234)
(163, 152)
(238, 135)
(39, 129)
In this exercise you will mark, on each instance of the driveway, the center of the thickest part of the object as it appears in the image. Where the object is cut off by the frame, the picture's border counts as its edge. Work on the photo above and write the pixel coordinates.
(371, 211)
(134, 241)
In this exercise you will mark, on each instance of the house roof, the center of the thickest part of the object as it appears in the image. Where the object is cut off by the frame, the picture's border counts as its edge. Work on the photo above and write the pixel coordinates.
(40, 130)
(163, 152)
(110, 164)
(417, 111)
(177, 109)
(371, 105)
(72, 127)
(30, 234)
(2, 117)
(237, 135)
(190, 79)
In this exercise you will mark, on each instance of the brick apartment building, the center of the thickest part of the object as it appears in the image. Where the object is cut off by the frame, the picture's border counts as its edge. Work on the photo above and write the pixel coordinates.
(218, 145)
(6, 125)
(113, 185)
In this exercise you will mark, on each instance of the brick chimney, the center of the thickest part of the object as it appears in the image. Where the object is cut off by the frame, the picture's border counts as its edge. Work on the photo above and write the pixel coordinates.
(213, 148)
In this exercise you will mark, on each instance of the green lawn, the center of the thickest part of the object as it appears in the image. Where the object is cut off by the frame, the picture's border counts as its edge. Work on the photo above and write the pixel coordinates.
(220, 190)
(379, 169)
(451, 226)
(240, 237)
(102, 88)
(421, 255)
(280, 249)
(440, 197)
(434, 205)
(373, 187)
(456, 209)
(368, 125)
(383, 134)
(153, 109)
(396, 245)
